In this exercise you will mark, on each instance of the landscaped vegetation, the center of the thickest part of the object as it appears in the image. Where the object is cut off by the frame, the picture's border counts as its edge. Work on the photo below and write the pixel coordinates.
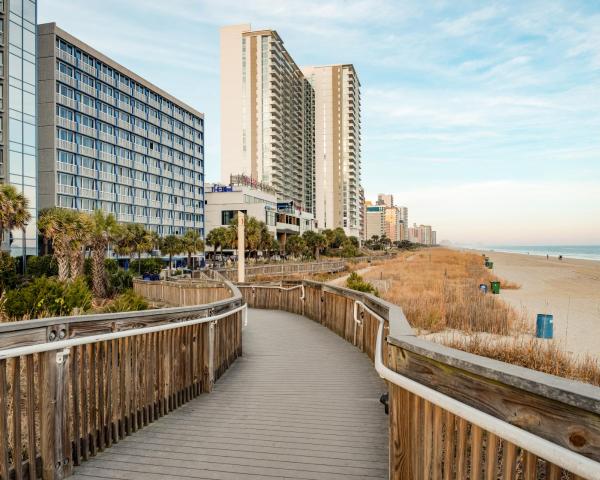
(77, 277)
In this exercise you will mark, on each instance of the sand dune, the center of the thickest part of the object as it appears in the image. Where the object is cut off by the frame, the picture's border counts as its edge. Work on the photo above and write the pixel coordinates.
(568, 289)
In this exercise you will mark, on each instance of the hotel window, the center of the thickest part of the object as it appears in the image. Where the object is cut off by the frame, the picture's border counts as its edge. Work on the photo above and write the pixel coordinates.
(64, 112)
(85, 120)
(66, 69)
(66, 157)
(86, 79)
(64, 90)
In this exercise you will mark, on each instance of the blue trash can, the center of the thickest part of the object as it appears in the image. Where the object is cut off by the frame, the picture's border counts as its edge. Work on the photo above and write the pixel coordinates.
(544, 326)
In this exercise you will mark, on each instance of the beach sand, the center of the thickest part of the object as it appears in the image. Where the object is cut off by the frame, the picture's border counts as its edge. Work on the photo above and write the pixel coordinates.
(568, 289)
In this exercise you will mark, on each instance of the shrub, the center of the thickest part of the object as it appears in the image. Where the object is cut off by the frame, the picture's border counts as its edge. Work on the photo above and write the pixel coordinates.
(151, 265)
(8, 271)
(349, 249)
(128, 301)
(43, 266)
(119, 281)
(47, 297)
(356, 282)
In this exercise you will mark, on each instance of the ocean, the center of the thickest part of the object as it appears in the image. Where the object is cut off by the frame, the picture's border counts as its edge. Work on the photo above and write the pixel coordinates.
(583, 252)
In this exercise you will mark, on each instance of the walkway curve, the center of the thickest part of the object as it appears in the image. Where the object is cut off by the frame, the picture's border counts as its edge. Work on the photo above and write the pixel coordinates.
(300, 404)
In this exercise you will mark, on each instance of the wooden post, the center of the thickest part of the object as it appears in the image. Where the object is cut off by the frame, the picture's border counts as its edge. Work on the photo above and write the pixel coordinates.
(241, 247)
(53, 415)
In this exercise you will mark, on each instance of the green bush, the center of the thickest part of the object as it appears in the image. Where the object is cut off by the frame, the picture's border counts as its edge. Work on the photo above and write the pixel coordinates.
(349, 249)
(47, 297)
(128, 301)
(119, 281)
(8, 272)
(43, 266)
(151, 265)
(356, 282)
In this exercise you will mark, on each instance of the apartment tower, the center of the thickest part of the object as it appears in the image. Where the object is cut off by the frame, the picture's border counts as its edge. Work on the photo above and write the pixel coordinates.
(111, 140)
(337, 146)
(18, 139)
(267, 115)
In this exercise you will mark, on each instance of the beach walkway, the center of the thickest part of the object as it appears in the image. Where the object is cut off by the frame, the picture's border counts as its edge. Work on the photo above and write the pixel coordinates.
(301, 403)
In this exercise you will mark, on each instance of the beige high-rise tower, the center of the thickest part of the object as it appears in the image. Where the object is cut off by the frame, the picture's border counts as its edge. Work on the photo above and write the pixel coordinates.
(267, 114)
(337, 146)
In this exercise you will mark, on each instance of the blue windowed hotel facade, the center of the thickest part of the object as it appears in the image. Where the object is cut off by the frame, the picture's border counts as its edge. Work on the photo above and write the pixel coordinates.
(18, 141)
(110, 140)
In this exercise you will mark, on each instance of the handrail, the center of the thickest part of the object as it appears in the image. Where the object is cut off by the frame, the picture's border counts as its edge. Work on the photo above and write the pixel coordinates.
(72, 342)
(562, 457)
(235, 299)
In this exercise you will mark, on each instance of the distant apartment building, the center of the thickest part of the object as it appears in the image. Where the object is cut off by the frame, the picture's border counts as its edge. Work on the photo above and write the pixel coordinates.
(422, 234)
(18, 110)
(385, 199)
(111, 140)
(375, 221)
(337, 146)
(267, 115)
(362, 213)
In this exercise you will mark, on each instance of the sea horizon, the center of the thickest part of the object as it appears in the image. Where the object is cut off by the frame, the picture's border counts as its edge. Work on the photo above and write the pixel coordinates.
(579, 252)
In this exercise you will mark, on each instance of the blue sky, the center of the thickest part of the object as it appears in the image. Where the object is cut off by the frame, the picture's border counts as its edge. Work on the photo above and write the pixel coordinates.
(482, 118)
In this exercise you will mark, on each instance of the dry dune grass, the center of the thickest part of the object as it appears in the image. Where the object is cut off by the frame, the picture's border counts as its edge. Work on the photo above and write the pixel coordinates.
(543, 356)
(438, 289)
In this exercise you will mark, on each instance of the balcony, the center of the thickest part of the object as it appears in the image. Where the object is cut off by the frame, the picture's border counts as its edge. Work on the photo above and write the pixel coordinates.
(109, 157)
(107, 79)
(67, 189)
(66, 123)
(90, 110)
(66, 79)
(86, 192)
(139, 130)
(125, 217)
(64, 100)
(88, 151)
(140, 148)
(126, 107)
(107, 137)
(87, 68)
(111, 197)
(66, 167)
(67, 57)
(87, 172)
(107, 98)
(66, 145)
(140, 184)
(84, 87)
(123, 180)
(91, 132)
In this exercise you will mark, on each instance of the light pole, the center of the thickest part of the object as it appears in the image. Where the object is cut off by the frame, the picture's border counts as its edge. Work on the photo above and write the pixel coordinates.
(241, 247)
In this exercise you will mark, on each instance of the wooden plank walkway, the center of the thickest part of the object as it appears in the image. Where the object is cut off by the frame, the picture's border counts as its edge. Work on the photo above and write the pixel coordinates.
(300, 404)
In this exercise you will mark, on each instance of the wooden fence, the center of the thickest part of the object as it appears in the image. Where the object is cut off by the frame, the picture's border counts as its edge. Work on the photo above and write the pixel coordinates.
(72, 386)
(182, 292)
(429, 441)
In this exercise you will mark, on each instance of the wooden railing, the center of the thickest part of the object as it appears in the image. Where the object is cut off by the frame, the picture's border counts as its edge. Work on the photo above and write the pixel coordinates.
(282, 269)
(454, 415)
(72, 386)
(182, 292)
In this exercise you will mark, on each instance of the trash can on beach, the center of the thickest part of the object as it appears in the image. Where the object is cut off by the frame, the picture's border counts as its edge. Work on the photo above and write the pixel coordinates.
(544, 327)
(495, 287)
(483, 288)
(489, 265)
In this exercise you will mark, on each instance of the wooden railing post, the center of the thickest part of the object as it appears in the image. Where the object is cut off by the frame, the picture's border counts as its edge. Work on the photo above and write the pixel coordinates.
(208, 353)
(55, 452)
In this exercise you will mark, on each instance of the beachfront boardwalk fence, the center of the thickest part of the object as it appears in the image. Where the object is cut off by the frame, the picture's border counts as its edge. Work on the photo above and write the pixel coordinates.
(298, 406)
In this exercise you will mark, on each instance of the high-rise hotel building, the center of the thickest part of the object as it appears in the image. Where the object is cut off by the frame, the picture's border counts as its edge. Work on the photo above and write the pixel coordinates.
(18, 154)
(337, 146)
(108, 139)
(267, 115)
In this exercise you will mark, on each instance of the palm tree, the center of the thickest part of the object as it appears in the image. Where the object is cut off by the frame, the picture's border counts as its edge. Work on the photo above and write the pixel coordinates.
(171, 245)
(218, 238)
(295, 245)
(58, 225)
(14, 213)
(315, 241)
(80, 236)
(104, 229)
(192, 244)
(141, 241)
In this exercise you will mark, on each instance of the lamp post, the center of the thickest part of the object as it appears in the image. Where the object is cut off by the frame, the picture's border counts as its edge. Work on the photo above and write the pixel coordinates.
(241, 247)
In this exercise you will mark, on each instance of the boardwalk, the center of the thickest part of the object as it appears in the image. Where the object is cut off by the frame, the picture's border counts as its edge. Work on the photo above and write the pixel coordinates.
(301, 404)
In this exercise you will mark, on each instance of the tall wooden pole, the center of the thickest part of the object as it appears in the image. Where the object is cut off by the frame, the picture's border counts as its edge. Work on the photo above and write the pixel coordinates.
(241, 247)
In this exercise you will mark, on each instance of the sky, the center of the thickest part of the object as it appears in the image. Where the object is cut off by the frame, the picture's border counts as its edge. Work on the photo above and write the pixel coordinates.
(483, 118)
